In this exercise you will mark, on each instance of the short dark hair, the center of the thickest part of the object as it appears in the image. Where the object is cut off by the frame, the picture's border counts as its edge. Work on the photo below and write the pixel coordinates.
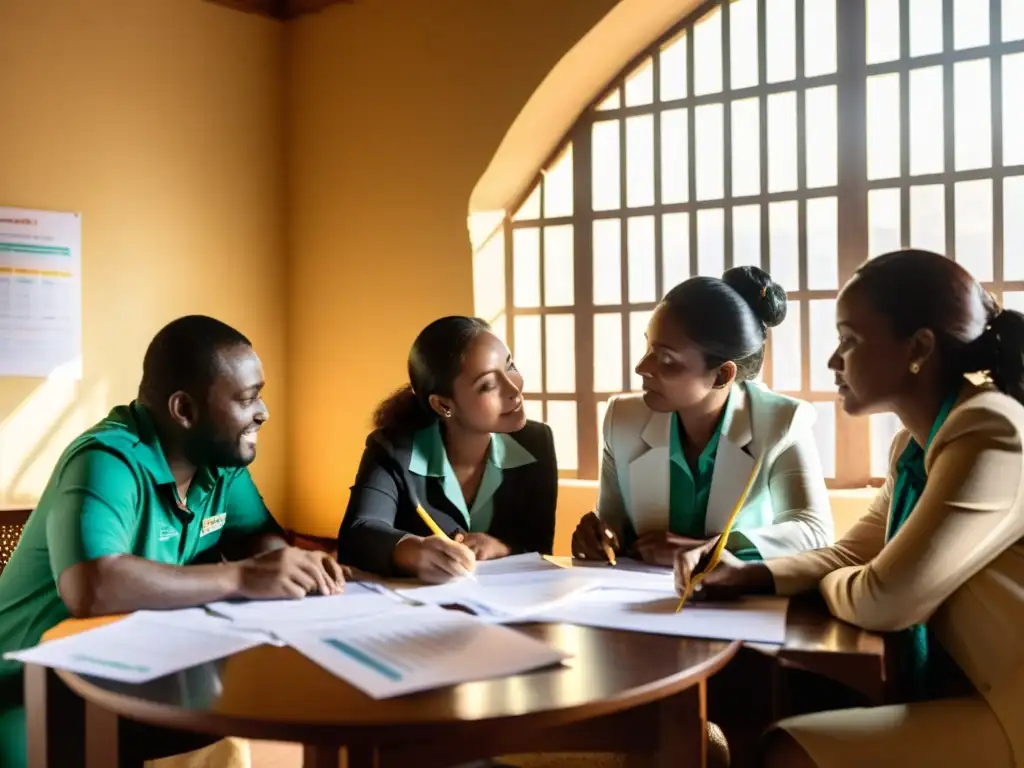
(729, 318)
(182, 356)
(435, 361)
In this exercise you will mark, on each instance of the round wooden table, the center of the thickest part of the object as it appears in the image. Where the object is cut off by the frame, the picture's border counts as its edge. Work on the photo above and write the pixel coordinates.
(643, 695)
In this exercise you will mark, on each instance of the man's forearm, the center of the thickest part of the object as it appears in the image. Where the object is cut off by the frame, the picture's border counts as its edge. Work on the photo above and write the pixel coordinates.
(125, 583)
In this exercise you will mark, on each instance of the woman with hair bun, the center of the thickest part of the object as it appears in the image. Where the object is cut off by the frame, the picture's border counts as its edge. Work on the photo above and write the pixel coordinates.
(677, 458)
(938, 560)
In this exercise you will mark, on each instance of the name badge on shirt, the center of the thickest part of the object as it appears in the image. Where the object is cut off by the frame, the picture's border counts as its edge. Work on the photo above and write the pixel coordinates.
(212, 524)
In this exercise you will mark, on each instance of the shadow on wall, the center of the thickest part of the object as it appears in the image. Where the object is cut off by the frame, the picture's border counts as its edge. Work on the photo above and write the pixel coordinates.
(43, 417)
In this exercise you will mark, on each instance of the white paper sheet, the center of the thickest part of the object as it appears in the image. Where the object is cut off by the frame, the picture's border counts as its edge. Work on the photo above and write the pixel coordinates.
(623, 564)
(203, 619)
(138, 648)
(506, 596)
(528, 563)
(756, 620)
(385, 658)
(628, 574)
(271, 615)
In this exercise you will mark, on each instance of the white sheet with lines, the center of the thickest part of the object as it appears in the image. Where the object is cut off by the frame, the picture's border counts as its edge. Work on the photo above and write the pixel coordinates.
(386, 658)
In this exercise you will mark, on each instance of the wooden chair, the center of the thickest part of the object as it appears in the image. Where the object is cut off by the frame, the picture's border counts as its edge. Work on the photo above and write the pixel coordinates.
(12, 522)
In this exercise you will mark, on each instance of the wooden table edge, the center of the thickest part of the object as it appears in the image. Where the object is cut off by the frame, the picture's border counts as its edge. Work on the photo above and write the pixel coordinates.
(210, 722)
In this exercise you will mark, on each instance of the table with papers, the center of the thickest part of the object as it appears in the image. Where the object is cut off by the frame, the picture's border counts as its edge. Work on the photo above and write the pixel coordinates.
(548, 643)
(392, 640)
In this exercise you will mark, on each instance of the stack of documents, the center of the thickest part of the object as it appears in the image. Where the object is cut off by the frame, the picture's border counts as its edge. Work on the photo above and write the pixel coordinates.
(388, 658)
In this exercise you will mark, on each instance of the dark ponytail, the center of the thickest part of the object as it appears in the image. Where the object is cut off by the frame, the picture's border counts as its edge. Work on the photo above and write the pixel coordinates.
(435, 361)
(999, 351)
(402, 411)
(916, 289)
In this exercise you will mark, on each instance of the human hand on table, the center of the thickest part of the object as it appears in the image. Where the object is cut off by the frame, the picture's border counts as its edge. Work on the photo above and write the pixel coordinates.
(588, 537)
(432, 559)
(290, 572)
(661, 547)
(484, 547)
(731, 578)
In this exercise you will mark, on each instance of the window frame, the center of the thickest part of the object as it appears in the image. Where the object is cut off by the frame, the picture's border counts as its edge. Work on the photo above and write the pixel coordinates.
(852, 434)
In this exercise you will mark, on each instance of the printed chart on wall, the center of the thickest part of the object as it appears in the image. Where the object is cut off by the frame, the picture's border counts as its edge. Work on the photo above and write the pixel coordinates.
(40, 293)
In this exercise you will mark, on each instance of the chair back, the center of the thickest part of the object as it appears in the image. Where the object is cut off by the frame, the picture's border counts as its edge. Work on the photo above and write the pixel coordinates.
(12, 522)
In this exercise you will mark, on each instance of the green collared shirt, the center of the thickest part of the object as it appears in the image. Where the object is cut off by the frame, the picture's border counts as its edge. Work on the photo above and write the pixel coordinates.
(429, 459)
(924, 661)
(688, 490)
(112, 493)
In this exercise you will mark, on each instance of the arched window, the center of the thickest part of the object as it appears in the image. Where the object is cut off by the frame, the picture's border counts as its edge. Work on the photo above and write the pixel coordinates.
(800, 135)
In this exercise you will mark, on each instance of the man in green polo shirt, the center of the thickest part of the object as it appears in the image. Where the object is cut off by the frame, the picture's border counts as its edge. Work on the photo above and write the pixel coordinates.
(144, 510)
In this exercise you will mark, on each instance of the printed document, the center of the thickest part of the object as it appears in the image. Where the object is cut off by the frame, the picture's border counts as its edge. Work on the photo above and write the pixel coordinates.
(270, 615)
(755, 619)
(140, 648)
(506, 596)
(385, 658)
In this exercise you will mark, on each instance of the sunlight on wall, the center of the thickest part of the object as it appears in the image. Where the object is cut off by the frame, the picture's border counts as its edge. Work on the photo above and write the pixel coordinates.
(482, 225)
(33, 435)
(175, 165)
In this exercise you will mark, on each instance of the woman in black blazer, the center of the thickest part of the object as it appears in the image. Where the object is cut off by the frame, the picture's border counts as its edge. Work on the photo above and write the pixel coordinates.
(457, 440)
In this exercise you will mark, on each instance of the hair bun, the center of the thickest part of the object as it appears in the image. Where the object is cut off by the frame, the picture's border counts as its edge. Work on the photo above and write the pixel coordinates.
(766, 297)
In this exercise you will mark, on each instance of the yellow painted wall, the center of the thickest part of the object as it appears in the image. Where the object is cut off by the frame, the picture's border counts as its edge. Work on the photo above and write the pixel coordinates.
(395, 108)
(160, 121)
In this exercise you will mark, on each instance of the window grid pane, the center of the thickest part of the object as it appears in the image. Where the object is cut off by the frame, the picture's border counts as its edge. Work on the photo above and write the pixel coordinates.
(825, 437)
(526, 267)
(561, 417)
(560, 354)
(720, 155)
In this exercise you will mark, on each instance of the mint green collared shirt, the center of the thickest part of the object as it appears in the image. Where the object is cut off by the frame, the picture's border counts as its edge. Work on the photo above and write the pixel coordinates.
(689, 491)
(430, 459)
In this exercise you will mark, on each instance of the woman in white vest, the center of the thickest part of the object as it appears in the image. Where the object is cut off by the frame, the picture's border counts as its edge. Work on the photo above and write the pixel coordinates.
(677, 457)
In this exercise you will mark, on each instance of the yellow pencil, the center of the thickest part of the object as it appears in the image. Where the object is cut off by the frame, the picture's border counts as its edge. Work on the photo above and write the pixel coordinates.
(429, 521)
(716, 553)
(436, 530)
(608, 551)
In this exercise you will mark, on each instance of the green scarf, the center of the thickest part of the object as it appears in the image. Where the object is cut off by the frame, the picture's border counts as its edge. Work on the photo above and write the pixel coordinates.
(920, 654)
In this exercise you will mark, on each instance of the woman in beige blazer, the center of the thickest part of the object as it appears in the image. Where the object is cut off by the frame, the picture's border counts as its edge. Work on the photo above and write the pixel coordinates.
(939, 558)
(677, 457)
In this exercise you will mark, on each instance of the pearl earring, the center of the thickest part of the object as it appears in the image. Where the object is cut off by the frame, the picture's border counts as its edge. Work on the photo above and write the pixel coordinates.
(915, 368)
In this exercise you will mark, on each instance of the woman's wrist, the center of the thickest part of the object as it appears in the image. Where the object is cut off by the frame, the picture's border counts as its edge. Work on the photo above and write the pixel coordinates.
(405, 555)
(756, 578)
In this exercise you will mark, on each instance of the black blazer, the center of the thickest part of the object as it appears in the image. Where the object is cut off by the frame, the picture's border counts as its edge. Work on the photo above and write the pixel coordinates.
(381, 510)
